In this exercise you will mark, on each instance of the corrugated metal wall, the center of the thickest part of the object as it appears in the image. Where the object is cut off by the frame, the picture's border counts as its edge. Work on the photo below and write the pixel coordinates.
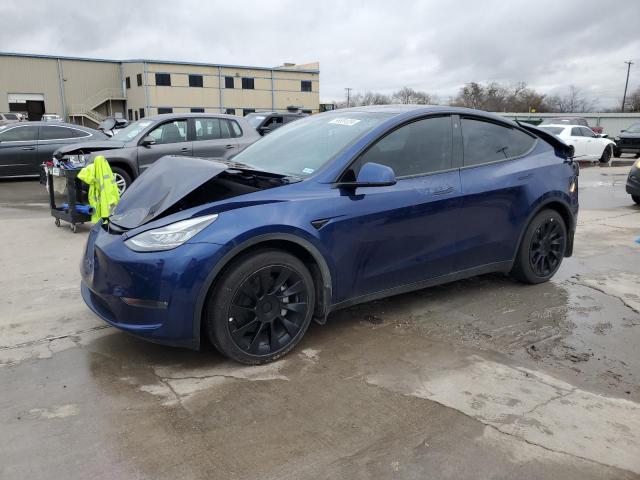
(30, 75)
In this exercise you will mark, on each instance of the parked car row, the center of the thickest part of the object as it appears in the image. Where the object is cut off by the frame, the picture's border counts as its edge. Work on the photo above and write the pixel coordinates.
(587, 145)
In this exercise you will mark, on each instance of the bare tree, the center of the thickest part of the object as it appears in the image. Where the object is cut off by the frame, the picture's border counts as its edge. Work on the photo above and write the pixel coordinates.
(573, 101)
(408, 95)
(632, 103)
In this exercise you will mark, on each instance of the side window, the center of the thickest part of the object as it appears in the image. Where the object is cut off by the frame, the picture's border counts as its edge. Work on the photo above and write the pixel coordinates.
(163, 79)
(235, 128)
(55, 133)
(207, 129)
(172, 132)
(79, 133)
(19, 134)
(420, 147)
(486, 142)
(230, 111)
(575, 132)
(305, 85)
(248, 83)
(274, 122)
(228, 82)
(587, 132)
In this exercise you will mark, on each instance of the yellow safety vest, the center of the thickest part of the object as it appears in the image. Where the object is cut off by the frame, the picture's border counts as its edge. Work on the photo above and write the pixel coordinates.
(103, 191)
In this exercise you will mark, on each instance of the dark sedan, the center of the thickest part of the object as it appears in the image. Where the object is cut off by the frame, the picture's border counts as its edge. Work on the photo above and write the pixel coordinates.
(633, 182)
(628, 141)
(24, 146)
(135, 147)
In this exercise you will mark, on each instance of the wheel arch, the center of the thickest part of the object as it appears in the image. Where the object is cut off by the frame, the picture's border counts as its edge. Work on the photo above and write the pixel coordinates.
(124, 165)
(299, 247)
(564, 210)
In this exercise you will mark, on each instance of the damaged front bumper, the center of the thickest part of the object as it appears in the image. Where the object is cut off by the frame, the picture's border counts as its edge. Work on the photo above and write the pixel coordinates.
(152, 295)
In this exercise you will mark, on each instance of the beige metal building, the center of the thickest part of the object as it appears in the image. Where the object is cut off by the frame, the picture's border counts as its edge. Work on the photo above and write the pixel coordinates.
(85, 90)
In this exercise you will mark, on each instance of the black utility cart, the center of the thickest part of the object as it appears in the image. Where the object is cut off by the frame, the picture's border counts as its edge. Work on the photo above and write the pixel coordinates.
(75, 193)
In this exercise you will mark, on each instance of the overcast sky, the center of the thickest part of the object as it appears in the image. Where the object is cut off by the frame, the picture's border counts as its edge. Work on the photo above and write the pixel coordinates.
(435, 46)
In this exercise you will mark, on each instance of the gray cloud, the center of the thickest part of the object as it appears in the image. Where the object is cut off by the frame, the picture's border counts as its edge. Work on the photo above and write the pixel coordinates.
(368, 45)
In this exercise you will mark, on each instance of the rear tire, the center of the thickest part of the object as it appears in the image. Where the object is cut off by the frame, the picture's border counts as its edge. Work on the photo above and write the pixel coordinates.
(616, 152)
(261, 307)
(542, 248)
(122, 179)
(636, 198)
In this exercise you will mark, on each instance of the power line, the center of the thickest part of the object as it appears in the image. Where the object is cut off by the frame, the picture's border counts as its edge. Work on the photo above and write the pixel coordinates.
(624, 96)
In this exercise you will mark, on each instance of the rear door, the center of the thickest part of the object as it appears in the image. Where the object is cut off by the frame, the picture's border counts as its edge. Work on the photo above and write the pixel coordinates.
(594, 145)
(579, 142)
(18, 150)
(495, 179)
(171, 138)
(213, 138)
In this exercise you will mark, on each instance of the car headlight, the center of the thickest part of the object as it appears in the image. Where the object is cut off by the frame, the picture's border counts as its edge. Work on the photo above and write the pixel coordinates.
(170, 236)
(617, 139)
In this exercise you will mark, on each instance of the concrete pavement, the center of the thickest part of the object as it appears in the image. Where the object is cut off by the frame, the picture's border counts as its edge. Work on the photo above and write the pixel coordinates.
(483, 378)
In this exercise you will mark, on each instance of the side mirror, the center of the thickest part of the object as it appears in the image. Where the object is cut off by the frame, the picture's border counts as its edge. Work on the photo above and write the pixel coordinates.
(372, 175)
(623, 130)
(147, 141)
(264, 130)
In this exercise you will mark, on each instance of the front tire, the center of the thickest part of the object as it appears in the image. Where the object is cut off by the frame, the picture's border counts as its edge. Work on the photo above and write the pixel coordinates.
(542, 248)
(122, 179)
(606, 155)
(636, 198)
(261, 307)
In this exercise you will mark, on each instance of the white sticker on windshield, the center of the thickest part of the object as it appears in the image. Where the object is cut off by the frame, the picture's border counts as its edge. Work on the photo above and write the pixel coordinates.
(308, 170)
(344, 121)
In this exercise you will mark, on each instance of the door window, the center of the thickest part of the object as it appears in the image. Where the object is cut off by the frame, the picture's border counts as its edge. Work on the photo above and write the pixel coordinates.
(486, 142)
(417, 148)
(55, 133)
(236, 131)
(575, 132)
(207, 129)
(19, 134)
(587, 132)
(171, 132)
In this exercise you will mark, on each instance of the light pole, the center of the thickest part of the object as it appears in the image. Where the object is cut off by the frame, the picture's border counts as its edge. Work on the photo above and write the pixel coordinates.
(624, 96)
(348, 90)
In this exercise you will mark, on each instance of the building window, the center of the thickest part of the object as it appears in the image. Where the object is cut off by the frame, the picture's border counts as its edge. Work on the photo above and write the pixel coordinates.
(127, 81)
(195, 80)
(305, 86)
(230, 111)
(130, 114)
(165, 110)
(228, 82)
(163, 79)
(142, 113)
(247, 83)
(136, 114)
(197, 110)
(139, 79)
(247, 111)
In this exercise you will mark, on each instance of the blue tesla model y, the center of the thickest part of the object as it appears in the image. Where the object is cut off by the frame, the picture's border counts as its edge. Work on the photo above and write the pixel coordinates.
(326, 212)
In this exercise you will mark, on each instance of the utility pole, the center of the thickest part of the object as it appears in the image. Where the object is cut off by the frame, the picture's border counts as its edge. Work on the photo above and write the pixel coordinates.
(624, 96)
(349, 96)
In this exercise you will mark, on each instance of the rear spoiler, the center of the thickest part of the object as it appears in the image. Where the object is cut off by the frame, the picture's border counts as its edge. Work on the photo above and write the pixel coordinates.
(556, 143)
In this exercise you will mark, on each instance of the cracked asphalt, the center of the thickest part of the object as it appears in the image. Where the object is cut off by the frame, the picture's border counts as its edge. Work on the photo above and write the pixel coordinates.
(482, 378)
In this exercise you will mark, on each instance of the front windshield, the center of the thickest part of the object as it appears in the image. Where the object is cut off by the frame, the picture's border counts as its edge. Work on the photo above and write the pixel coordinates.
(635, 128)
(300, 148)
(131, 131)
(254, 120)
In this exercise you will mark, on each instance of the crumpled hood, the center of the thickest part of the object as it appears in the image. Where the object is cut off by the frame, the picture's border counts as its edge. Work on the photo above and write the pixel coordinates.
(87, 147)
(161, 186)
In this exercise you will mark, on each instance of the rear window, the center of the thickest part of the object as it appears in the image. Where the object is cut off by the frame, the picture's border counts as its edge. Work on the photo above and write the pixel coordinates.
(10, 116)
(486, 142)
(553, 130)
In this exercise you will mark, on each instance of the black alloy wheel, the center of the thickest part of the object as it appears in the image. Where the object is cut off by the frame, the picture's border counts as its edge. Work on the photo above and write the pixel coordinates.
(261, 307)
(606, 155)
(268, 310)
(547, 247)
(542, 248)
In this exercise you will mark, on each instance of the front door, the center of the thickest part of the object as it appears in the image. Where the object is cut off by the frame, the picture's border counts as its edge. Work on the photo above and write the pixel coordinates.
(405, 233)
(18, 150)
(170, 138)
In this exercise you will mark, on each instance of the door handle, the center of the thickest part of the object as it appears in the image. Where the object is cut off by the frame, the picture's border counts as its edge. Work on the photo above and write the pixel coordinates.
(229, 147)
(28, 148)
(443, 190)
(184, 149)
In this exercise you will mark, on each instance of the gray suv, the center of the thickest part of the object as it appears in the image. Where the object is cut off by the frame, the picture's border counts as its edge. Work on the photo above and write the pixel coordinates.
(135, 147)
